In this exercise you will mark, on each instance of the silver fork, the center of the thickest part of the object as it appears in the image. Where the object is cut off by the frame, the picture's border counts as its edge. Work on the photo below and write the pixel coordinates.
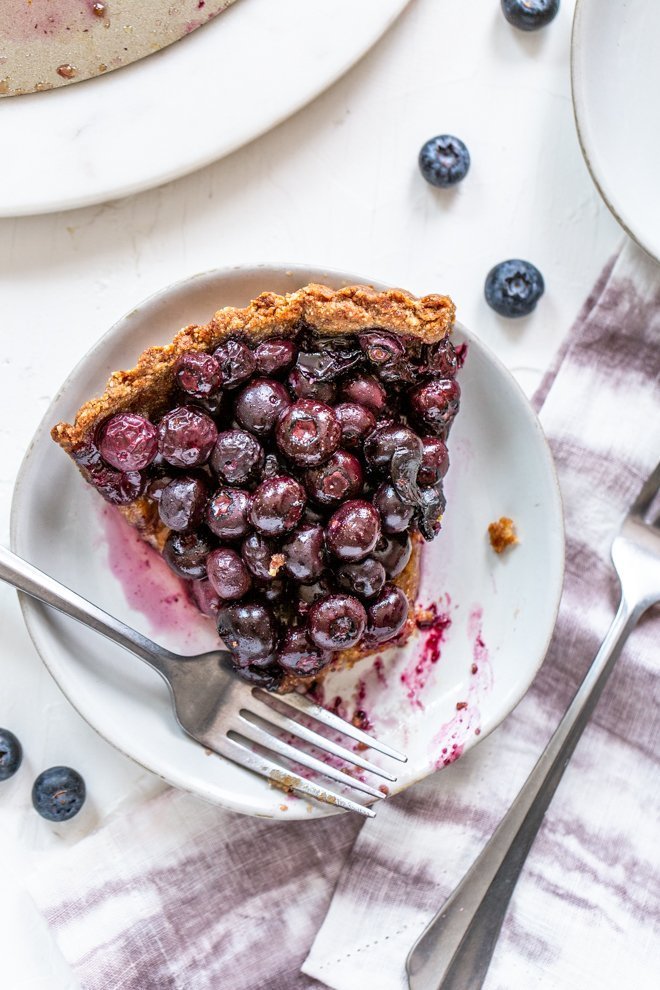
(222, 712)
(454, 951)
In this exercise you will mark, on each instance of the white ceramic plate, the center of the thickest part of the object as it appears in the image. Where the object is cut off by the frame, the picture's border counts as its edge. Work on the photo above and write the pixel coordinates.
(183, 107)
(616, 78)
(500, 610)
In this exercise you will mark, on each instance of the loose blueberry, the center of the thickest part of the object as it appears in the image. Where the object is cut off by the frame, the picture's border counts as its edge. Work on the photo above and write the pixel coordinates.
(364, 579)
(514, 287)
(304, 553)
(356, 422)
(353, 530)
(444, 160)
(58, 794)
(260, 405)
(275, 356)
(186, 436)
(337, 622)
(249, 630)
(198, 374)
(11, 754)
(237, 457)
(128, 442)
(529, 15)
(181, 503)
(186, 553)
(387, 614)
(227, 513)
(277, 506)
(237, 362)
(308, 433)
(299, 656)
(337, 480)
(229, 577)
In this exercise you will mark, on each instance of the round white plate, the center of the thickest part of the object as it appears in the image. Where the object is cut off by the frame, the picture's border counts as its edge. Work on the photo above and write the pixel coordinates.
(183, 107)
(500, 611)
(616, 78)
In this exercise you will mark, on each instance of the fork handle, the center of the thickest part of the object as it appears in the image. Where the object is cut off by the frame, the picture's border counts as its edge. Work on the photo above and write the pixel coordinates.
(455, 949)
(29, 579)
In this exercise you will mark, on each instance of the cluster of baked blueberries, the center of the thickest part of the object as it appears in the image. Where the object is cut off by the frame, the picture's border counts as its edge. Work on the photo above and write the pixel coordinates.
(290, 475)
(58, 793)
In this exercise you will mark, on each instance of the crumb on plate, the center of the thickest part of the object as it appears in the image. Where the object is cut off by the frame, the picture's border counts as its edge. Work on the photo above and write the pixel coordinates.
(502, 534)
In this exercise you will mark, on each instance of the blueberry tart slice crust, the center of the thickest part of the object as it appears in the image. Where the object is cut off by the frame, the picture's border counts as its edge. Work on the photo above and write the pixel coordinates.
(286, 460)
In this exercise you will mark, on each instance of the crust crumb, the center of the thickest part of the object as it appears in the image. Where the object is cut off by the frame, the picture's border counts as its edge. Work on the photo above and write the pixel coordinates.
(277, 562)
(502, 534)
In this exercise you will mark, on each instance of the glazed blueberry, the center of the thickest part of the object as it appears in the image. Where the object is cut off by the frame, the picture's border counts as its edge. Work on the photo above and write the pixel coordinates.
(237, 362)
(380, 348)
(399, 373)
(444, 161)
(198, 374)
(327, 364)
(257, 553)
(186, 553)
(308, 433)
(430, 510)
(237, 458)
(365, 390)
(397, 448)
(87, 455)
(249, 630)
(58, 794)
(229, 577)
(387, 614)
(303, 387)
(356, 422)
(441, 358)
(260, 405)
(338, 479)
(227, 513)
(336, 622)
(272, 467)
(395, 515)
(215, 405)
(275, 356)
(353, 530)
(393, 552)
(128, 442)
(304, 553)
(435, 461)
(181, 503)
(364, 579)
(186, 436)
(11, 754)
(434, 404)
(157, 485)
(118, 487)
(205, 597)
(277, 506)
(299, 656)
(529, 15)
(514, 287)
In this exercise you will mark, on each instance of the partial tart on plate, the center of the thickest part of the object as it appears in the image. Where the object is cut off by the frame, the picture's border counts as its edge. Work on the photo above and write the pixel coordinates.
(286, 459)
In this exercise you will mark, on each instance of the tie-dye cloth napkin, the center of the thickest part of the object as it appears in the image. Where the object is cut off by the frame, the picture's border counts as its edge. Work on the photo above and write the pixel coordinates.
(182, 895)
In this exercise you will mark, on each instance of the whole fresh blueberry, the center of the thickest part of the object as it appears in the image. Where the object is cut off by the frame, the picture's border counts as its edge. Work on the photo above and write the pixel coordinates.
(11, 754)
(529, 15)
(58, 793)
(444, 160)
(514, 287)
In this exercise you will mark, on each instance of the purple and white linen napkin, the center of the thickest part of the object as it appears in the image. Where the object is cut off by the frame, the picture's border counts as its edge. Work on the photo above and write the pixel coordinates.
(182, 895)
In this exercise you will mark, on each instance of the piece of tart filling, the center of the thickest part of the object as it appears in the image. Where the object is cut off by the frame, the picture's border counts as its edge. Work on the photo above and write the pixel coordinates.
(289, 478)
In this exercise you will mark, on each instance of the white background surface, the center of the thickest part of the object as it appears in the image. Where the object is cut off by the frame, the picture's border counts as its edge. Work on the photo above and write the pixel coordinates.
(337, 185)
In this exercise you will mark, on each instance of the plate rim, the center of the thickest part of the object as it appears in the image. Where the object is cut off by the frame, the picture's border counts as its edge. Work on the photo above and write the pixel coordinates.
(31, 609)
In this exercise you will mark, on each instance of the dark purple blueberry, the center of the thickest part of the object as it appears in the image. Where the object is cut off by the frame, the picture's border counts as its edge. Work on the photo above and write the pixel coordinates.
(299, 656)
(198, 374)
(396, 447)
(431, 507)
(387, 615)
(441, 359)
(337, 622)
(11, 754)
(87, 455)
(529, 15)
(399, 373)
(365, 390)
(272, 467)
(304, 553)
(186, 553)
(434, 404)
(327, 364)
(308, 433)
(205, 597)
(393, 552)
(303, 387)
(514, 287)
(269, 676)
(181, 503)
(229, 577)
(277, 506)
(260, 405)
(249, 630)
(58, 794)
(186, 436)
(237, 362)
(364, 579)
(337, 480)
(435, 461)
(444, 161)
(128, 442)
(380, 347)
(117, 487)
(275, 356)
(237, 457)
(355, 421)
(395, 515)
(353, 530)
(227, 513)
(257, 552)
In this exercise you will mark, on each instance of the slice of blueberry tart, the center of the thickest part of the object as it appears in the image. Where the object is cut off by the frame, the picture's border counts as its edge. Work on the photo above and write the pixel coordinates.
(286, 460)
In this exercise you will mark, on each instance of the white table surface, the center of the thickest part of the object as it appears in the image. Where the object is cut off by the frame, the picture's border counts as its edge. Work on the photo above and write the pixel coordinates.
(338, 186)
